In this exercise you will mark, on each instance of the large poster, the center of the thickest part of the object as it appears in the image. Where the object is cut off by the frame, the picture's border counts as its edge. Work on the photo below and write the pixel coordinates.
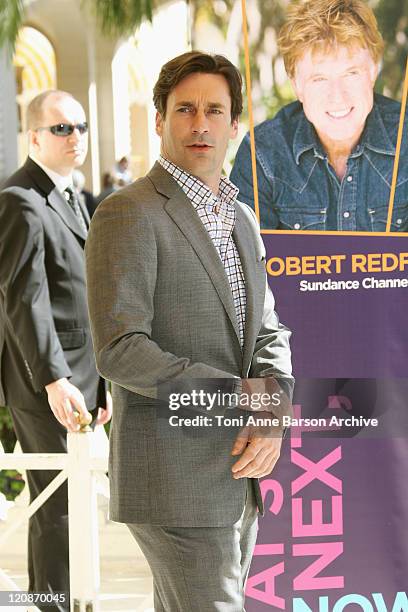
(334, 533)
(334, 537)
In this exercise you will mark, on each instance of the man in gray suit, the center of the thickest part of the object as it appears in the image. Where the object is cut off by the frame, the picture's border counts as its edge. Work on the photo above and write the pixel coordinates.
(177, 291)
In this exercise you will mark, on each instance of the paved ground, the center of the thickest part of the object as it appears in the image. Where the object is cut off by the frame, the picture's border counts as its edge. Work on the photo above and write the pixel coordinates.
(125, 576)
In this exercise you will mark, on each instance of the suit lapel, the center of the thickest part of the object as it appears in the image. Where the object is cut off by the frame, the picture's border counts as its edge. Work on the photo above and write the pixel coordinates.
(243, 235)
(57, 201)
(54, 198)
(184, 215)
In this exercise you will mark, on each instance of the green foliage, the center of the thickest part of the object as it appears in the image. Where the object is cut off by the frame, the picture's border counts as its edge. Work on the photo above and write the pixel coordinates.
(7, 435)
(116, 17)
(273, 102)
(11, 19)
(121, 17)
(11, 482)
(392, 17)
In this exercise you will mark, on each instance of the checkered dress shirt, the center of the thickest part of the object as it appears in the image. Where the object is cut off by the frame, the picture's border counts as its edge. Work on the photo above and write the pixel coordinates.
(217, 213)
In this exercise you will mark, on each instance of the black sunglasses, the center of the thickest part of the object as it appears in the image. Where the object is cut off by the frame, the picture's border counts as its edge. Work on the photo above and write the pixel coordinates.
(65, 129)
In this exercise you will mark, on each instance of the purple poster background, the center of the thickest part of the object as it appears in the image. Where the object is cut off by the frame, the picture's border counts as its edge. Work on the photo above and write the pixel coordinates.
(351, 333)
(334, 536)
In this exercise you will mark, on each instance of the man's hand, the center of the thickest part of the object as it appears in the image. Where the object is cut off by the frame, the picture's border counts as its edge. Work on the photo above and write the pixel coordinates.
(260, 447)
(105, 414)
(64, 398)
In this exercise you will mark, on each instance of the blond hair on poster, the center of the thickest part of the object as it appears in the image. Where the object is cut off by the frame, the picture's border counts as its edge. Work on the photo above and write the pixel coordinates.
(318, 24)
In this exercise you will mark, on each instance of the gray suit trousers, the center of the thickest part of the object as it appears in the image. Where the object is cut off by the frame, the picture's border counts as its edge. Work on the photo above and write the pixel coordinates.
(200, 568)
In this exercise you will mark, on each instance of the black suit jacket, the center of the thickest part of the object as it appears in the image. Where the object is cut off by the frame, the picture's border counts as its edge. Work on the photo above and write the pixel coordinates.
(44, 326)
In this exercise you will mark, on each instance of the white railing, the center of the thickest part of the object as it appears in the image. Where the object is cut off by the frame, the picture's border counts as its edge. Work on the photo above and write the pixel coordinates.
(85, 469)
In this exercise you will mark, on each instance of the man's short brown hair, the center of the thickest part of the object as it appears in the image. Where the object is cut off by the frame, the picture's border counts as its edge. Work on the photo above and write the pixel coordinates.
(321, 25)
(192, 62)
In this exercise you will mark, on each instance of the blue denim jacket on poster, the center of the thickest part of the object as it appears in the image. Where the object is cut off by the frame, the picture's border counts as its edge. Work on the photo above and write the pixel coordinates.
(299, 189)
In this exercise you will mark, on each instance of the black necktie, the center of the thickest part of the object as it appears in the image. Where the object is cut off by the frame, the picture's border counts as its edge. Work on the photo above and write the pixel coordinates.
(72, 200)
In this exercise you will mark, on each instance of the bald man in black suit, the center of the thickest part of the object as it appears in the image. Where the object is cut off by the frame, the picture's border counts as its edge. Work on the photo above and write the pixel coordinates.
(47, 362)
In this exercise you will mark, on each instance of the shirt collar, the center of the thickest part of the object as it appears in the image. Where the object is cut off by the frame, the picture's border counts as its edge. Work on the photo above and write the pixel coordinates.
(374, 137)
(61, 182)
(227, 191)
(305, 138)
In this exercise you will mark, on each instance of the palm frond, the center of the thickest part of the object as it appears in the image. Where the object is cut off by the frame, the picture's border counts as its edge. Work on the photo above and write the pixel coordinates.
(115, 17)
(121, 17)
(11, 19)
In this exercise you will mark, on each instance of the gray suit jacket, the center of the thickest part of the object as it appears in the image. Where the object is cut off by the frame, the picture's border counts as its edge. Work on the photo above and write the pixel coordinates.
(161, 308)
